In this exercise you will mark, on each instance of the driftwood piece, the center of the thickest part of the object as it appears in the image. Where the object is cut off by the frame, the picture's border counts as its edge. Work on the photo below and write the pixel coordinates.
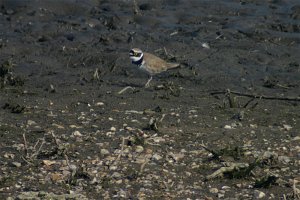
(257, 96)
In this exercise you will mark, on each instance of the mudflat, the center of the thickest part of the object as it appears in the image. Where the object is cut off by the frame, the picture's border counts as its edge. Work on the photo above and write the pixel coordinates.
(76, 121)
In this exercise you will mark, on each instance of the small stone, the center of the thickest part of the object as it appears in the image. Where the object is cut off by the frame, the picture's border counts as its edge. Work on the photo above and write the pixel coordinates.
(270, 155)
(205, 45)
(284, 159)
(258, 194)
(296, 138)
(139, 149)
(104, 152)
(17, 164)
(76, 134)
(253, 125)
(48, 162)
(99, 104)
(31, 122)
(113, 129)
(225, 187)
(213, 190)
(287, 127)
(156, 157)
(116, 175)
(227, 127)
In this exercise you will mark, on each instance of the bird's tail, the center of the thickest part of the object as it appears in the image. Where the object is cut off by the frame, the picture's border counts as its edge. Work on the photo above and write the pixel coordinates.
(173, 65)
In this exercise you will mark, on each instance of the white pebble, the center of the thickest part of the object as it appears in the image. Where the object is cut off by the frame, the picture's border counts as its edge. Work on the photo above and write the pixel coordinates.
(77, 134)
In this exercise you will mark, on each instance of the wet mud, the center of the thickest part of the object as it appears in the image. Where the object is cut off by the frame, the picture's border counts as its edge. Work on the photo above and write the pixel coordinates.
(77, 122)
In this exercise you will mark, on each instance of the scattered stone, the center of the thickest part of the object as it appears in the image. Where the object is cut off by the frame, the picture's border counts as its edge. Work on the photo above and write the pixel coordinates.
(113, 129)
(76, 134)
(31, 123)
(139, 149)
(156, 157)
(287, 127)
(296, 138)
(16, 164)
(284, 159)
(49, 162)
(213, 190)
(99, 104)
(104, 152)
(258, 194)
(227, 127)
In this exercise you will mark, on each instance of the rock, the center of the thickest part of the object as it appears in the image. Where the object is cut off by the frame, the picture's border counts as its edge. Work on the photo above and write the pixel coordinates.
(270, 155)
(227, 127)
(296, 138)
(48, 162)
(31, 123)
(284, 159)
(16, 164)
(113, 129)
(99, 104)
(139, 149)
(287, 127)
(76, 134)
(104, 152)
(156, 157)
(258, 194)
(213, 190)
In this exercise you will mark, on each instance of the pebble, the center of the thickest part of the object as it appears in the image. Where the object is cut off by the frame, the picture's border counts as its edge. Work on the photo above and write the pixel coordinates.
(99, 104)
(225, 187)
(213, 190)
(287, 127)
(258, 194)
(139, 149)
(284, 159)
(17, 164)
(269, 154)
(113, 129)
(227, 127)
(104, 152)
(156, 157)
(76, 134)
(31, 122)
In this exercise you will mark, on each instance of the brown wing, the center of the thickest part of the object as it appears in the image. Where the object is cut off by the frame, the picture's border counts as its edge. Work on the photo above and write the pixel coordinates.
(156, 64)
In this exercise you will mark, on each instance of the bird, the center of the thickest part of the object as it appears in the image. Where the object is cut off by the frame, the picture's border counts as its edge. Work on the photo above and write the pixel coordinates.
(149, 63)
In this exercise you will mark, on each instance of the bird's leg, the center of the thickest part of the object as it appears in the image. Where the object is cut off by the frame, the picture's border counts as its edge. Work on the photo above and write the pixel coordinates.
(148, 82)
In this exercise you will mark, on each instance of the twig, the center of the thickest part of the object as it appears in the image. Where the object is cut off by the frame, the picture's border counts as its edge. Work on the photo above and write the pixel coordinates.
(209, 55)
(166, 51)
(96, 74)
(258, 96)
(143, 166)
(136, 8)
(215, 154)
(122, 150)
(124, 89)
(228, 169)
(38, 151)
(25, 145)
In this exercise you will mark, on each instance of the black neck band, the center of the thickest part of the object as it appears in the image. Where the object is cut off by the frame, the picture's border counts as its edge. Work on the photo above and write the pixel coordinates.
(139, 62)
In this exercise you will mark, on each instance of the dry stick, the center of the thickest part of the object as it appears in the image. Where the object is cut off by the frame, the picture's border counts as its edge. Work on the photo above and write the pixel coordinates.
(124, 89)
(143, 166)
(25, 145)
(215, 154)
(96, 75)
(209, 55)
(38, 151)
(122, 149)
(258, 96)
(136, 8)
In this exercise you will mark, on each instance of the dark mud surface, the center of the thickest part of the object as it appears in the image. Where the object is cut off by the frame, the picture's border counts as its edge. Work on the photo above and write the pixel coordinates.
(66, 130)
